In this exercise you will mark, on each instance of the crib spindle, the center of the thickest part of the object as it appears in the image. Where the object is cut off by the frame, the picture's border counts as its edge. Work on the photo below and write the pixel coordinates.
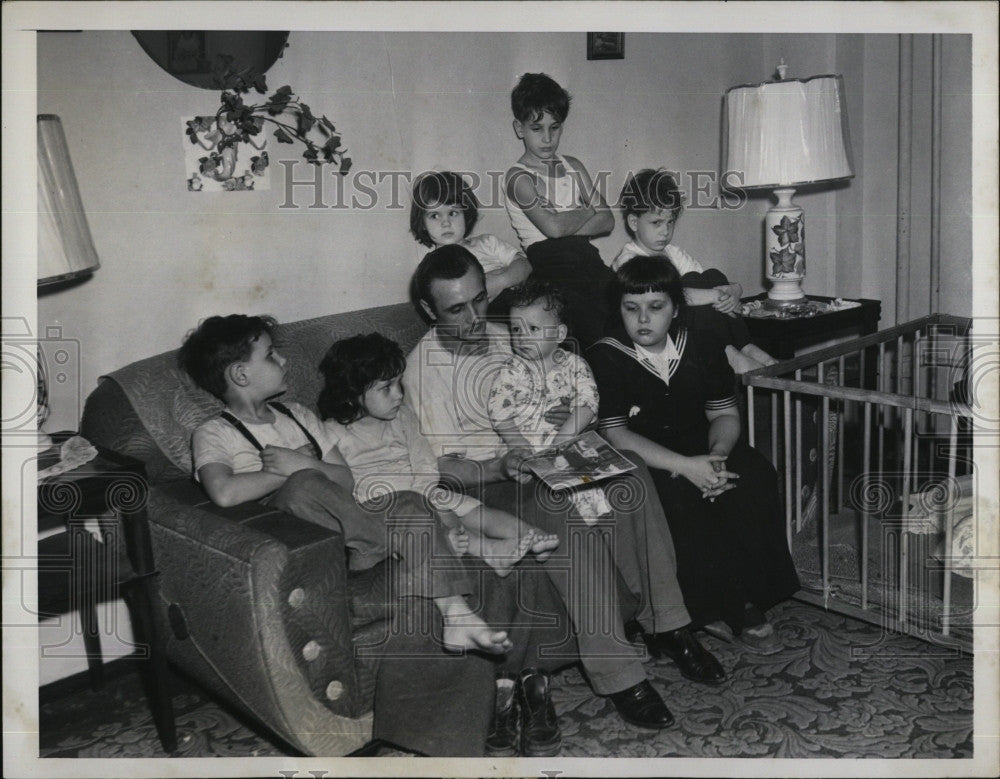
(865, 502)
(904, 557)
(949, 522)
(788, 466)
(823, 499)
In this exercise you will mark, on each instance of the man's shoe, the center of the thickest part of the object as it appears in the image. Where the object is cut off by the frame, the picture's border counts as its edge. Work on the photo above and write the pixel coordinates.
(540, 736)
(502, 740)
(694, 661)
(642, 706)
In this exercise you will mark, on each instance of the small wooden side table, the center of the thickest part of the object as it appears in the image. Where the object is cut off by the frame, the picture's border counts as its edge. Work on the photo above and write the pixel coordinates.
(780, 337)
(76, 570)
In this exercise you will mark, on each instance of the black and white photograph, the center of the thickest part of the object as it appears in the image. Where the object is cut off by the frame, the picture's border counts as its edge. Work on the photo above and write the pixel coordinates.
(445, 389)
(581, 460)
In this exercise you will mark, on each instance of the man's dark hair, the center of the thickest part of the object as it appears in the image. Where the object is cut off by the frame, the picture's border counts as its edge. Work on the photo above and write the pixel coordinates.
(649, 189)
(444, 188)
(537, 93)
(349, 367)
(531, 291)
(217, 343)
(446, 262)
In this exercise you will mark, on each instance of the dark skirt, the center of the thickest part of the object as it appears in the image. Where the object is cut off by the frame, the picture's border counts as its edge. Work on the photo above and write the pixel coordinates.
(733, 551)
(575, 266)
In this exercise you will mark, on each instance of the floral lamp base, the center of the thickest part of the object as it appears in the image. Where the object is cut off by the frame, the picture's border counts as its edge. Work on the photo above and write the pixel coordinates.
(785, 250)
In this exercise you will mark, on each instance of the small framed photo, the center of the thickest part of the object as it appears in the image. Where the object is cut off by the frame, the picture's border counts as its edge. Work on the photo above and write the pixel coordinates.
(605, 45)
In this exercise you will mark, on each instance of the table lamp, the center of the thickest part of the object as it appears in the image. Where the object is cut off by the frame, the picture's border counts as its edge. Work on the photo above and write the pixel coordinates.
(65, 247)
(782, 135)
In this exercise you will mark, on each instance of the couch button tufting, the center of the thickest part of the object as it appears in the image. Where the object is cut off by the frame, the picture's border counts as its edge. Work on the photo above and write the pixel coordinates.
(296, 597)
(334, 690)
(311, 651)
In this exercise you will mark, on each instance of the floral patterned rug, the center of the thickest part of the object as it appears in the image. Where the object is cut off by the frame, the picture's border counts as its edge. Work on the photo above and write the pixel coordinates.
(840, 688)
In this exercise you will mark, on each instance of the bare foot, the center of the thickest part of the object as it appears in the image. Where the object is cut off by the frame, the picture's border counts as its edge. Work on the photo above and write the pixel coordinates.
(543, 544)
(503, 553)
(458, 540)
(739, 362)
(754, 352)
(465, 630)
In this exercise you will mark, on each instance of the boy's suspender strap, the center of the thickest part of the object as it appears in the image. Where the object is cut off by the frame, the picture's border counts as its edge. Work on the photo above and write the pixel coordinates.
(243, 429)
(309, 436)
(284, 410)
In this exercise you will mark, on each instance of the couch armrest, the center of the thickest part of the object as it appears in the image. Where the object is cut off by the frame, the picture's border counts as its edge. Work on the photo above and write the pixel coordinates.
(109, 420)
(265, 618)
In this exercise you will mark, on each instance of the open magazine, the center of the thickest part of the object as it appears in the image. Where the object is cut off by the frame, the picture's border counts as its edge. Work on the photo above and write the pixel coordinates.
(581, 460)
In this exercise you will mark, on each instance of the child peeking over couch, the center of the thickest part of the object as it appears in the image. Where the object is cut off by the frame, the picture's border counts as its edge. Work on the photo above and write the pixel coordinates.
(280, 453)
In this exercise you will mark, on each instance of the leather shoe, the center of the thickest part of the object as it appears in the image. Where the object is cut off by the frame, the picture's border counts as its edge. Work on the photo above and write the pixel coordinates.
(502, 739)
(642, 706)
(540, 736)
(694, 661)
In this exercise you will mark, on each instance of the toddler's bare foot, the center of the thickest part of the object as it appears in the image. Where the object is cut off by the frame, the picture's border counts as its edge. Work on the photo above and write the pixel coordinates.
(739, 362)
(502, 554)
(543, 544)
(458, 540)
(464, 630)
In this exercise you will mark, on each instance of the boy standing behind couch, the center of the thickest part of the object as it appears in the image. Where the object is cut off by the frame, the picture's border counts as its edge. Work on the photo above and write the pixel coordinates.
(555, 209)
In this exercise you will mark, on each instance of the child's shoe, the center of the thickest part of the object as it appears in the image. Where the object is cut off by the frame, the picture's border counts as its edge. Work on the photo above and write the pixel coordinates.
(502, 740)
(540, 736)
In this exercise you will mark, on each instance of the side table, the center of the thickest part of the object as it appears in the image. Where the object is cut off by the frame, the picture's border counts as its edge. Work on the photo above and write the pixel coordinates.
(780, 337)
(102, 507)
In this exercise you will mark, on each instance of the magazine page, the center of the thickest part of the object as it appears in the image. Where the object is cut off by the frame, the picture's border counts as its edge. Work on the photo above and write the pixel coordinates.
(581, 460)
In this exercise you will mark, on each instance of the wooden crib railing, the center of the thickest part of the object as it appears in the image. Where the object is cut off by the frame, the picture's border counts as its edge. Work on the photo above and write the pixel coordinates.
(872, 441)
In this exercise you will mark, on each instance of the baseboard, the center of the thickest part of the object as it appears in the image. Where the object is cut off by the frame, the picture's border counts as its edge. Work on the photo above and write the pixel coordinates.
(79, 682)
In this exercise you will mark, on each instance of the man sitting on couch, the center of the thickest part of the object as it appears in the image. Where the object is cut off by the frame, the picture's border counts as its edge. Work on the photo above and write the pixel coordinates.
(444, 380)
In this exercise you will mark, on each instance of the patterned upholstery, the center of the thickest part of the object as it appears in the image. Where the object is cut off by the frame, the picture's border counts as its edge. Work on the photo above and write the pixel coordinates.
(257, 605)
(168, 406)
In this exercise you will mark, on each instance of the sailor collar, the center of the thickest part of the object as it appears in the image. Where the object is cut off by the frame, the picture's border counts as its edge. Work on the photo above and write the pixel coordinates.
(662, 365)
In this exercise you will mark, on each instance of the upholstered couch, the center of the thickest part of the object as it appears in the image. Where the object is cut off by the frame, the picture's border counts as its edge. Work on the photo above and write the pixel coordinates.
(256, 605)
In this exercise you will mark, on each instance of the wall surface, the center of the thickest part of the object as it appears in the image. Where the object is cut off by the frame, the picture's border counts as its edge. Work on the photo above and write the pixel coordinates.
(408, 102)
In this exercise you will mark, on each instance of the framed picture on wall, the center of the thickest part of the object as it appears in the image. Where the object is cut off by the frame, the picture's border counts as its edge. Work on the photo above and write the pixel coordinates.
(605, 45)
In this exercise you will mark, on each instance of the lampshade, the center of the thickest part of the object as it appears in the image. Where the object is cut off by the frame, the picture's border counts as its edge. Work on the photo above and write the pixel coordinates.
(787, 133)
(65, 246)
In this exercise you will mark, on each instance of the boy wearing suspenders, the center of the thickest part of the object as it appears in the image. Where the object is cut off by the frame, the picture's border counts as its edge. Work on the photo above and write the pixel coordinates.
(262, 449)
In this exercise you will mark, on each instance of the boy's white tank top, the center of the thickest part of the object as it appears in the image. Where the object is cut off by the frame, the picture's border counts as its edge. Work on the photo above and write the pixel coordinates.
(561, 192)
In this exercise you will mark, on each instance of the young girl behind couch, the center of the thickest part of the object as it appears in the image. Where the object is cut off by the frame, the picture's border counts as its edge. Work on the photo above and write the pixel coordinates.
(379, 438)
(445, 211)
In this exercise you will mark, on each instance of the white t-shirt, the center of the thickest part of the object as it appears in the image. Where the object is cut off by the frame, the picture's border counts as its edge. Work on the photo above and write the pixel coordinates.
(561, 193)
(679, 258)
(390, 456)
(449, 393)
(492, 253)
(218, 441)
